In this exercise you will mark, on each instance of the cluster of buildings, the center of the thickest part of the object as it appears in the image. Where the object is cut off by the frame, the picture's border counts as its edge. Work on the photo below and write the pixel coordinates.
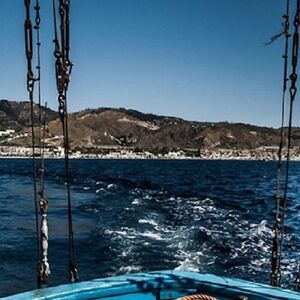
(261, 153)
(264, 153)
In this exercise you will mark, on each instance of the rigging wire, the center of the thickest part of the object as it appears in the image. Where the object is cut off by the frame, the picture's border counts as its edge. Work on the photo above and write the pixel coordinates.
(44, 267)
(38, 67)
(43, 143)
(63, 69)
(275, 276)
(30, 81)
(293, 89)
(292, 92)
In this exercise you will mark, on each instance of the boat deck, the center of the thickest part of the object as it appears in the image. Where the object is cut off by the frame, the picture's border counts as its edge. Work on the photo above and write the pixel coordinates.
(161, 285)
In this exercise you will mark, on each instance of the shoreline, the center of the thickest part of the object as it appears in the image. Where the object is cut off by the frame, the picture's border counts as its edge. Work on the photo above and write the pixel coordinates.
(152, 158)
(258, 154)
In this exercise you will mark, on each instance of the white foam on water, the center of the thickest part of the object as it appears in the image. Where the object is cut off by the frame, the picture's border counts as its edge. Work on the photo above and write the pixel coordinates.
(146, 221)
(111, 185)
(130, 269)
(261, 229)
(136, 201)
(126, 251)
(199, 235)
(187, 265)
(165, 229)
(123, 233)
(151, 235)
(148, 197)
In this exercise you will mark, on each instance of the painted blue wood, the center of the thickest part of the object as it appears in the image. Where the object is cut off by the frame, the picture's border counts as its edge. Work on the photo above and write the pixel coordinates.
(161, 285)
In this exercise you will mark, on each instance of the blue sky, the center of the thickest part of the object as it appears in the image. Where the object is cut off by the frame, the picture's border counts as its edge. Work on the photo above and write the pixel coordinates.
(200, 60)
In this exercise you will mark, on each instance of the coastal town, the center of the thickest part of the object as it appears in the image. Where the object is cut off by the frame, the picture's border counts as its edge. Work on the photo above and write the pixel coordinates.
(264, 154)
(11, 146)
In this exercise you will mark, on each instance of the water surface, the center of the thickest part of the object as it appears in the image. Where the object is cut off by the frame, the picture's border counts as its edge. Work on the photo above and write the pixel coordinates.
(143, 215)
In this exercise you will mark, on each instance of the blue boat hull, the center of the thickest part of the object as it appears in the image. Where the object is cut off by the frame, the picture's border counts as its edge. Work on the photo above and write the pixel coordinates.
(161, 285)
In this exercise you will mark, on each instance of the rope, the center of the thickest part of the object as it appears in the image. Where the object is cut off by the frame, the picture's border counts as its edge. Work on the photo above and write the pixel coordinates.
(63, 68)
(275, 276)
(197, 297)
(30, 88)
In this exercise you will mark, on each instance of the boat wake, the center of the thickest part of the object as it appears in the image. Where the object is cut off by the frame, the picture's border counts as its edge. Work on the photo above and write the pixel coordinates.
(131, 216)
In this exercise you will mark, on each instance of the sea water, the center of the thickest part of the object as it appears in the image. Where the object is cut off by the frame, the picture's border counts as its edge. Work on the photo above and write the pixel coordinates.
(144, 215)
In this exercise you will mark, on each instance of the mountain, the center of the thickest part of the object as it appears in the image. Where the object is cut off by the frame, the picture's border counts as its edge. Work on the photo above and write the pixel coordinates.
(16, 115)
(111, 127)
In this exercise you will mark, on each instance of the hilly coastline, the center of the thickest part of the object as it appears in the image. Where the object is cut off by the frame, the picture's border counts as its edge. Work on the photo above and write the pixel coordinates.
(96, 130)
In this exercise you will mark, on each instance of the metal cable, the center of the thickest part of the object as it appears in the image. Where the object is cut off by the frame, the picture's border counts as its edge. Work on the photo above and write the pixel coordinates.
(30, 88)
(38, 67)
(63, 68)
(43, 151)
(293, 92)
(44, 267)
(275, 276)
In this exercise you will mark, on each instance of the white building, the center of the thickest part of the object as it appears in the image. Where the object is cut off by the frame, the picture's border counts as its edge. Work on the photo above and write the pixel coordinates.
(7, 132)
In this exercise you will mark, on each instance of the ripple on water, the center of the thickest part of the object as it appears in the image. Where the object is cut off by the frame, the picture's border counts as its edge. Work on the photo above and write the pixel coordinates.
(134, 216)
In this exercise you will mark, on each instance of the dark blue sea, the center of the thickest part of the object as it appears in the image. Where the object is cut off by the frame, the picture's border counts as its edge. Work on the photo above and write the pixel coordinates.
(143, 215)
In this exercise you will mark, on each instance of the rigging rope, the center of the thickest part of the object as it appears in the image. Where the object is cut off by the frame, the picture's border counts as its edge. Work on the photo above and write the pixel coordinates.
(275, 276)
(197, 297)
(44, 268)
(30, 88)
(63, 69)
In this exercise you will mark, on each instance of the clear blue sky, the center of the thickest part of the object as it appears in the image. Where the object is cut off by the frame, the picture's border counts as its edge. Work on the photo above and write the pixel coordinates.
(197, 59)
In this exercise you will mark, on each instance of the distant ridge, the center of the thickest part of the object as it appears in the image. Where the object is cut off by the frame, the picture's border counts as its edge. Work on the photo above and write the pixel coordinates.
(16, 115)
(120, 127)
